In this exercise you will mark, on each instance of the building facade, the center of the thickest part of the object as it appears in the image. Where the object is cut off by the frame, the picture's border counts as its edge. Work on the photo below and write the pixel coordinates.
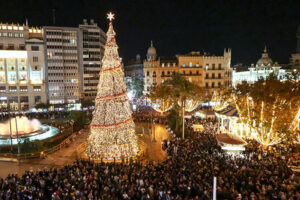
(62, 53)
(263, 68)
(218, 72)
(134, 69)
(206, 71)
(22, 67)
(92, 43)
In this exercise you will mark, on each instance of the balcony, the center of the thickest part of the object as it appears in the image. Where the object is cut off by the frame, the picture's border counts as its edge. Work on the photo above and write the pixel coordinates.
(214, 69)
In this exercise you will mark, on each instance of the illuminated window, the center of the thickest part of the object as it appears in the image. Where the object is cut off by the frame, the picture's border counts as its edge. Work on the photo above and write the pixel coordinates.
(23, 88)
(37, 88)
(16, 35)
(183, 65)
(191, 64)
(21, 35)
(4, 34)
(12, 89)
(197, 65)
(10, 34)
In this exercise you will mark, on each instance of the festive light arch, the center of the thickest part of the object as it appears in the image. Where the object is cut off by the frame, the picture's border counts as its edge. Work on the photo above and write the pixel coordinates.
(161, 105)
(190, 105)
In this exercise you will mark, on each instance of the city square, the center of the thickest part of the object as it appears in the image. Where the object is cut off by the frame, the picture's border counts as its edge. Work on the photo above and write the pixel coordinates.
(199, 115)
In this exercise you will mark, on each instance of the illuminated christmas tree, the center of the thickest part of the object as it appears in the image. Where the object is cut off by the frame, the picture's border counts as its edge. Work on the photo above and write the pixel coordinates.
(112, 128)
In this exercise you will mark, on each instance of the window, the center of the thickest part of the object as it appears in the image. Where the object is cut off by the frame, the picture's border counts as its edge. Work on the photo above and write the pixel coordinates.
(22, 46)
(10, 35)
(213, 75)
(2, 89)
(197, 65)
(197, 72)
(206, 67)
(213, 66)
(12, 88)
(184, 72)
(191, 72)
(35, 68)
(16, 35)
(37, 88)
(191, 64)
(35, 59)
(220, 66)
(4, 34)
(21, 35)
(163, 64)
(183, 65)
(219, 84)
(168, 64)
(23, 88)
(206, 85)
(37, 99)
(35, 48)
(213, 85)
(162, 74)
(147, 73)
(11, 46)
(207, 76)
(219, 75)
(168, 72)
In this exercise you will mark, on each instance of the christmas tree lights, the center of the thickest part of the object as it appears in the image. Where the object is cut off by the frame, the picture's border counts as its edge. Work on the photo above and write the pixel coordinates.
(112, 129)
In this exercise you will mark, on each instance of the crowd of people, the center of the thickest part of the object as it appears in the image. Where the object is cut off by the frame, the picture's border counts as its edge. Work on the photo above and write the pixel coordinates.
(187, 173)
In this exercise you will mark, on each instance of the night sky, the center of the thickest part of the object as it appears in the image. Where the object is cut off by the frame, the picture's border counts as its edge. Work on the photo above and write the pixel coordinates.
(177, 27)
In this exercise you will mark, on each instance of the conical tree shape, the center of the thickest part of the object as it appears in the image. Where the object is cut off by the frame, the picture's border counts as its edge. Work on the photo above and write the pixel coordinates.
(112, 128)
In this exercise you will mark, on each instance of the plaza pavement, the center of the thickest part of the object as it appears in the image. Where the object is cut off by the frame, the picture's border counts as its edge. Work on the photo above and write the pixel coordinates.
(67, 155)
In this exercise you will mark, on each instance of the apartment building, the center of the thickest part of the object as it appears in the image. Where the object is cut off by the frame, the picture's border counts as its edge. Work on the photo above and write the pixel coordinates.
(92, 42)
(62, 53)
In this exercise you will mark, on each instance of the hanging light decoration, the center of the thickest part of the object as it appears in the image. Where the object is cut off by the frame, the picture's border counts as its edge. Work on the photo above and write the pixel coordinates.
(161, 105)
(190, 105)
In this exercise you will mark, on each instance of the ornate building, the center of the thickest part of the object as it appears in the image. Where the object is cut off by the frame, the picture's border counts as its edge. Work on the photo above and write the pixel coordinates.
(22, 67)
(209, 71)
(263, 68)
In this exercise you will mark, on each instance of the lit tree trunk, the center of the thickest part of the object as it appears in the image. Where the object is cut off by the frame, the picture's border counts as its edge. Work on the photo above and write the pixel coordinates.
(183, 108)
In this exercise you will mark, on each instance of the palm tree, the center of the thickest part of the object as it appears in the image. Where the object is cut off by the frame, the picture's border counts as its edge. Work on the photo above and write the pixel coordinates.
(179, 90)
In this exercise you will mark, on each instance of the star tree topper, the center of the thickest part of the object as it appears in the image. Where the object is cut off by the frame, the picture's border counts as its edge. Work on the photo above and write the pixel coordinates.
(110, 16)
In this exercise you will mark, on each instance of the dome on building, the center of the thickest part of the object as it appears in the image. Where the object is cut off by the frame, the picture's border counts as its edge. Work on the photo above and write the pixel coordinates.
(265, 60)
(151, 53)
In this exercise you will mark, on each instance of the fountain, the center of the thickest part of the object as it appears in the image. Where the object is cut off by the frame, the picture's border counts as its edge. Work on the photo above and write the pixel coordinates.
(24, 128)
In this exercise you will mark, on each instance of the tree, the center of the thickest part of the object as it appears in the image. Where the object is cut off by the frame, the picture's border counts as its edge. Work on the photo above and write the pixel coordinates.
(112, 127)
(87, 103)
(270, 107)
(138, 87)
(180, 91)
(78, 117)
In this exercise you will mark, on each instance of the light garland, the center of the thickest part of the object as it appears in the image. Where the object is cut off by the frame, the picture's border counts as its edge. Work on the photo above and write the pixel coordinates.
(161, 105)
(190, 104)
(112, 129)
